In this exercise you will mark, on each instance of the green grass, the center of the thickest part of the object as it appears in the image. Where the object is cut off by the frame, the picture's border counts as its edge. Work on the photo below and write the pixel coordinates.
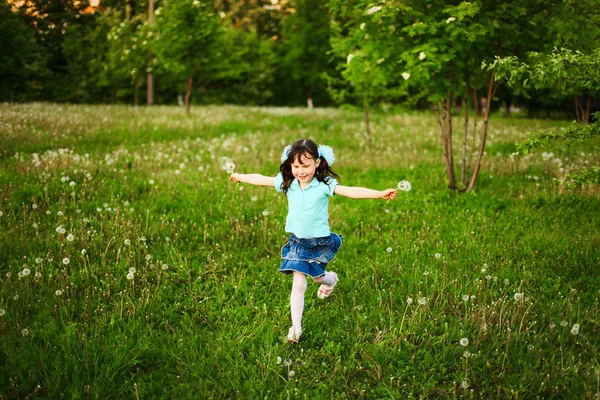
(206, 313)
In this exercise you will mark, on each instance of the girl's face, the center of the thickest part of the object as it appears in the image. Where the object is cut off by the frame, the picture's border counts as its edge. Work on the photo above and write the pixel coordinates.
(304, 168)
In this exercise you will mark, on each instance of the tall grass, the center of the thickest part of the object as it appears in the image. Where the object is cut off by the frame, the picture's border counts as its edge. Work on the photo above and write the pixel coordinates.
(131, 268)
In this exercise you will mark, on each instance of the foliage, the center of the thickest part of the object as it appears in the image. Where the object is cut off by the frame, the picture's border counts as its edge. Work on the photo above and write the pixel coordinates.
(130, 56)
(306, 37)
(22, 63)
(92, 194)
(573, 72)
(573, 133)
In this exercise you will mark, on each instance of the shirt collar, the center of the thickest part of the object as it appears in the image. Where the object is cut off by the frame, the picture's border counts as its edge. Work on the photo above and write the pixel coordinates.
(296, 184)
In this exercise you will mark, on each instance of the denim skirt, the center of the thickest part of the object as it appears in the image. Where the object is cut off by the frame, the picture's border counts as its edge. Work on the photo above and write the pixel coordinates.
(309, 256)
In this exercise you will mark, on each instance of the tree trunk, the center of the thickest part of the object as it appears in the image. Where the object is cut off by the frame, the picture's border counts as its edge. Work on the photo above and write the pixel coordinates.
(463, 169)
(136, 92)
(445, 122)
(587, 110)
(507, 102)
(150, 87)
(578, 109)
(486, 117)
(309, 100)
(477, 113)
(188, 94)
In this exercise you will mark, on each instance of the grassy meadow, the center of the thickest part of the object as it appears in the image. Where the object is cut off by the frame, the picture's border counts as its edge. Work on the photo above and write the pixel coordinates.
(130, 268)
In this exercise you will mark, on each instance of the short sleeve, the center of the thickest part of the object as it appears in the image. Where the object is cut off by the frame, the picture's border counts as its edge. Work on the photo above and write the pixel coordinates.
(278, 181)
(331, 184)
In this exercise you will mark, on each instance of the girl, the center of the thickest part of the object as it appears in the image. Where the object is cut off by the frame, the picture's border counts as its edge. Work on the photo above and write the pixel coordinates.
(306, 178)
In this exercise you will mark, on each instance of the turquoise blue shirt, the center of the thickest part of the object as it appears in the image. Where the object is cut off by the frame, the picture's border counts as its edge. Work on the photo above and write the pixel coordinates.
(308, 213)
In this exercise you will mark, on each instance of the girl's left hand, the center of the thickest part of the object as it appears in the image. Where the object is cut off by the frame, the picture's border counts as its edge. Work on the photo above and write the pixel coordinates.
(233, 177)
(389, 194)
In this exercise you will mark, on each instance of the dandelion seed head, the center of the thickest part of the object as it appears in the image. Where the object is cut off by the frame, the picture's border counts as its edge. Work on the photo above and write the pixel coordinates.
(83, 252)
(39, 260)
(127, 242)
(165, 267)
(438, 255)
(464, 384)
(389, 249)
(409, 301)
(422, 301)
(518, 296)
(2, 312)
(465, 297)
(575, 329)
(148, 257)
(563, 323)
(58, 292)
(24, 332)
(467, 354)
(70, 237)
(129, 276)
(464, 342)
(65, 261)
(26, 271)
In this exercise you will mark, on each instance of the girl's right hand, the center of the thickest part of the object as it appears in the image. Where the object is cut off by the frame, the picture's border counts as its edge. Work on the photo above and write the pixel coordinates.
(233, 177)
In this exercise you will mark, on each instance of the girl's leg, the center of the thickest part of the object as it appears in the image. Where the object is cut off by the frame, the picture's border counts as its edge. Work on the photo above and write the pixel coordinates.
(329, 279)
(327, 282)
(297, 299)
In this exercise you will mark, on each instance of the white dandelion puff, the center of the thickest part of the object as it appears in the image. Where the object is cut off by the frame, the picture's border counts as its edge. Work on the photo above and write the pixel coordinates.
(464, 342)
(58, 292)
(373, 10)
(575, 329)
(518, 296)
(404, 186)
(70, 237)
(389, 249)
(129, 276)
(65, 261)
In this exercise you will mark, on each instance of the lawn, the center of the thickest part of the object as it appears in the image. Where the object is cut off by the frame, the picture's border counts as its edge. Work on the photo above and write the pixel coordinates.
(130, 267)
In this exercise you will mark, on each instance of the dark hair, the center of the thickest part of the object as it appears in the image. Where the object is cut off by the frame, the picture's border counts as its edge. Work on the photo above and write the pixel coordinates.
(305, 147)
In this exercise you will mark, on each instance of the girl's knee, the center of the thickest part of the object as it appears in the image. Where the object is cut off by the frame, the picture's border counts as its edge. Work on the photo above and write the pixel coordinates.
(300, 284)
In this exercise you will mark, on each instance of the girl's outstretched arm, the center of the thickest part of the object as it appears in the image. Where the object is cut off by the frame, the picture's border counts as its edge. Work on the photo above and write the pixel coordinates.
(253, 179)
(364, 193)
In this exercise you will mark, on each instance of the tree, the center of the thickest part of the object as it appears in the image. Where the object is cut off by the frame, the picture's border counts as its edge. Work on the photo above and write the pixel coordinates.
(129, 56)
(22, 61)
(567, 71)
(188, 30)
(367, 52)
(306, 38)
(436, 49)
